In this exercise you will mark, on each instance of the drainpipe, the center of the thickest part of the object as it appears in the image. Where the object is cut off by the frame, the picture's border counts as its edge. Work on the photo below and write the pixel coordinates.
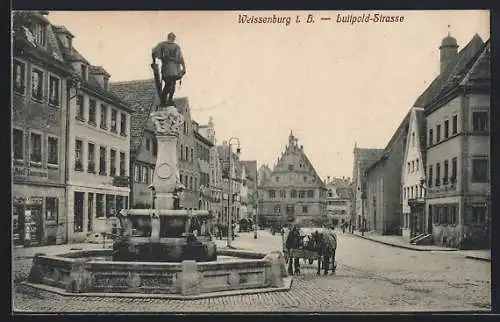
(66, 168)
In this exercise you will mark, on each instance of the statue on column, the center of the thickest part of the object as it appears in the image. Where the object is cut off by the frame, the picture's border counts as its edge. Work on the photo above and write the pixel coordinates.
(170, 55)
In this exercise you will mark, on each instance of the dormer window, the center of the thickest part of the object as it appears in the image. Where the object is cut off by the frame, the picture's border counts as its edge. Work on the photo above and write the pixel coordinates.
(84, 72)
(39, 33)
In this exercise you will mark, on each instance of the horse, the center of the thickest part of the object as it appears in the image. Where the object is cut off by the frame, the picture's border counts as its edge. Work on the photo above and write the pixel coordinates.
(293, 241)
(325, 244)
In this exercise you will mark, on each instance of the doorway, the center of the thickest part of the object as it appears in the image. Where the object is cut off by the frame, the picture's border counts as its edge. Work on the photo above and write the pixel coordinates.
(429, 220)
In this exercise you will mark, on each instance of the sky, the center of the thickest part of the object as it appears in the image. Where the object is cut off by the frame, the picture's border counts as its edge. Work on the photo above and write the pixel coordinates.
(332, 84)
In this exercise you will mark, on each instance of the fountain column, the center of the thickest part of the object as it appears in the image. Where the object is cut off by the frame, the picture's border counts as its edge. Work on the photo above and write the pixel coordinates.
(167, 122)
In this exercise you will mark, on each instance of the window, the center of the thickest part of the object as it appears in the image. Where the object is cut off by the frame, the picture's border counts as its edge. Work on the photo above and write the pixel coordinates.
(305, 179)
(51, 208)
(408, 167)
(37, 84)
(112, 161)
(310, 193)
(148, 144)
(182, 153)
(78, 155)
(305, 209)
(191, 187)
(54, 90)
(39, 33)
(430, 176)
(192, 155)
(155, 147)
(113, 120)
(453, 170)
(302, 194)
(123, 124)
(480, 121)
(80, 108)
(100, 209)
(186, 153)
(78, 211)
(122, 163)
(18, 144)
(290, 209)
(92, 111)
(53, 147)
(431, 137)
(91, 158)
(137, 173)
(445, 174)
(102, 160)
(277, 209)
(36, 148)
(438, 133)
(417, 164)
(272, 194)
(438, 174)
(290, 167)
(19, 75)
(84, 72)
(104, 117)
(446, 129)
(478, 214)
(480, 169)
(151, 174)
(282, 193)
(413, 138)
(411, 193)
(144, 177)
(454, 124)
(293, 193)
(277, 178)
(404, 193)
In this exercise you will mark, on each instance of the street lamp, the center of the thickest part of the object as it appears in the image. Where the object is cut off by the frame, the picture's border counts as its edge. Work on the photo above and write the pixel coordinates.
(230, 195)
(256, 209)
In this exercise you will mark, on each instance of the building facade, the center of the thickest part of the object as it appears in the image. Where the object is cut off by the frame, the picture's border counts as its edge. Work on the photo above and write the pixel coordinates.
(40, 87)
(98, 151)
(203, 147)
(338, 199)
(413, 177)
(363, 158)
(458, 205)
(383, 185)
(231, 169)
(251, 199)
(293, 192)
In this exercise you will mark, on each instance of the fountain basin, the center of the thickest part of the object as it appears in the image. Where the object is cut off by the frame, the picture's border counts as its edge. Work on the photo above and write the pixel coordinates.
(92, 272)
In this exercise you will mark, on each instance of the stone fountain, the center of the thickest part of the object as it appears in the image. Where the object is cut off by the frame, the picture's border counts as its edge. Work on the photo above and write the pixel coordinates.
(164, 260)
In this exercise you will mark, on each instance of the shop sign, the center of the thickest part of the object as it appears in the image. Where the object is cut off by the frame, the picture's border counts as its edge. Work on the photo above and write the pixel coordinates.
(30, 172)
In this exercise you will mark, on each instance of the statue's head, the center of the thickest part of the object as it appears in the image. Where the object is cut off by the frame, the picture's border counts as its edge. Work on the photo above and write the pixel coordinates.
(171, 36)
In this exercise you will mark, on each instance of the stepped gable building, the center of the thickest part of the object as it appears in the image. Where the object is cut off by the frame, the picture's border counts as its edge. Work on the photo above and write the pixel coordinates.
(363, 158)
(293, 192)
(263, 173)
(142, 96)
(40, 84)
(457, 111)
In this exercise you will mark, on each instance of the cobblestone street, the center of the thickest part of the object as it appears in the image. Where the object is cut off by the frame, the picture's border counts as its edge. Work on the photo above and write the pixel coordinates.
(370, 277)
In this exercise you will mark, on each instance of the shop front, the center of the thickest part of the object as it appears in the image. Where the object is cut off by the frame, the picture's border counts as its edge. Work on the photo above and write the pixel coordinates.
(36, 216)
(91, 210)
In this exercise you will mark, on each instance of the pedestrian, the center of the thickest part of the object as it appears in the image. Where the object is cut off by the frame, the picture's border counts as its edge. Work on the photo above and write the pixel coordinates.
(343, 228)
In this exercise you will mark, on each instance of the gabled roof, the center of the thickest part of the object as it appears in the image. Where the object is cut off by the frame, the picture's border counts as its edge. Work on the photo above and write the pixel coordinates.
(251, 167)
(142, 97)
(451, 73)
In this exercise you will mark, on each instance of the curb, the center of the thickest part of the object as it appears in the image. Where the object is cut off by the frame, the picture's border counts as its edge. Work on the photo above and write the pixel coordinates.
(478, 258)
(405, 247)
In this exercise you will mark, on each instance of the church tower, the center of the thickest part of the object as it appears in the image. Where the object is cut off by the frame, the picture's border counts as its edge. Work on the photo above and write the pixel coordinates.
(448, 51)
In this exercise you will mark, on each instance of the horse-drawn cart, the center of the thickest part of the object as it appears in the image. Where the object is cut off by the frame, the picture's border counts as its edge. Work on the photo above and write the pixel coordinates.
(306, 254)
